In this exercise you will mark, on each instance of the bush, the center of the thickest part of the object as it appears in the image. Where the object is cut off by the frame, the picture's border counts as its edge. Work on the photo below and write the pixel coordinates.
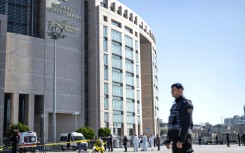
(22, 127)
(87, 132)
(104, 132)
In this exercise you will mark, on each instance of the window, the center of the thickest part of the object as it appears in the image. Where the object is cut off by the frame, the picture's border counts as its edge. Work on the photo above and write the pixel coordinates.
(117, 75)
(116, 62)
(104, 3)
(117, 89)
(129, 66)
(138, 95)
(129, 53)
(106, 59)
(106, 73)
(116, 48)
(130, 118)
(137, 57)
(137, 69)
(115, 23)
(105, 18)
(138, 108)
(117, 117)
(117, 103)
(106, 102)
(106, 117)
(129, 30)
(137, 82)
(116, 36)
(106, 89)
(130, 92)
(105, 39)
(130, 106)
(136, 45)
(129, 41)
(130, 79)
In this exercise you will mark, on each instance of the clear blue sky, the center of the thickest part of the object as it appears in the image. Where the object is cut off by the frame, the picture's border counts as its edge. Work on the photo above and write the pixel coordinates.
(202, 45)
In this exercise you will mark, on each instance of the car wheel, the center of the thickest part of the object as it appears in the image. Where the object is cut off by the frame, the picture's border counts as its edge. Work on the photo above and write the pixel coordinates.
(74, 148)
(63, 149)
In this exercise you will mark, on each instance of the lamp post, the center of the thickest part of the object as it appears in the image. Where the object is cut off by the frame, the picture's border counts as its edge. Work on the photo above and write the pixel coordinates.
(75, 114)
(55, 33)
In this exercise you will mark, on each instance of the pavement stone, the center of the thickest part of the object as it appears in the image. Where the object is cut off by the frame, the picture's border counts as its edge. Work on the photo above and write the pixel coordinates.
(196, 148)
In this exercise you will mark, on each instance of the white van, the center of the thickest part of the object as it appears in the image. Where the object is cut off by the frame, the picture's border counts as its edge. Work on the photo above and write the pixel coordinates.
(69, 138)
(27, 139)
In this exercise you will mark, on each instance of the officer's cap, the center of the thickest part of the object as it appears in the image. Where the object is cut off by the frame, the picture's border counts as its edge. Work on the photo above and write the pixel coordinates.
(178, 86)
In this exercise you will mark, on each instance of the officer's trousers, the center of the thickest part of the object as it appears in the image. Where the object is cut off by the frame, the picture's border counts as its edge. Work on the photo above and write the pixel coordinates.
(187, 148)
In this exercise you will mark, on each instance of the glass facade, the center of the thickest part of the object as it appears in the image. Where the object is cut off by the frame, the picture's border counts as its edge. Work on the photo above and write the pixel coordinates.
(117, 103)
(117, 75)
(116, 48)
(117, 89)
(22, 16)
(7, 113)
(116, 62)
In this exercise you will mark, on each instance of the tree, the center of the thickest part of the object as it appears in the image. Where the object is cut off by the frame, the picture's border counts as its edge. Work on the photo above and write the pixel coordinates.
(21, 126)
(87, 132)
(104, 132)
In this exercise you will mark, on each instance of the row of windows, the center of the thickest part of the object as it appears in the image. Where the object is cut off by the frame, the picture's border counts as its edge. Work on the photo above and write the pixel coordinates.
(119, 119)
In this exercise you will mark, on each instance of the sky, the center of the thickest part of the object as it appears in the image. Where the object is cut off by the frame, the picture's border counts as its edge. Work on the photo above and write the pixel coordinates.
(200, 44)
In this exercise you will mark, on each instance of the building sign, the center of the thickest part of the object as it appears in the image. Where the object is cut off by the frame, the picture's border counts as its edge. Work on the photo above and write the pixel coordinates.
(60, 24)
(64, 10)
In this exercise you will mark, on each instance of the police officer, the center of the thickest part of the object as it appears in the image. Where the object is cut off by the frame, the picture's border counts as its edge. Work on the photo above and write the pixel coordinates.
(180, 122)
(15, 140)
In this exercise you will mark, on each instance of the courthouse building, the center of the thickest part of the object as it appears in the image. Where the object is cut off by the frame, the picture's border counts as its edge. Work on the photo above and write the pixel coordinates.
(106, 67)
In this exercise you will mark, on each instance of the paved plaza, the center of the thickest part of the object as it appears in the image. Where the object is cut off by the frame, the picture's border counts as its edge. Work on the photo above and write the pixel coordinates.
(197, 149)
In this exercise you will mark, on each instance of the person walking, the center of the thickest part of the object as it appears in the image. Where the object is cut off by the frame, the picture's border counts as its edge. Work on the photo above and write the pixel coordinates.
(141, 143)
(216, 139)
(180, 122)
(200, 140)
(144, 142)
(125, 141)
(110, 139)
(136, 142)
(228, 139)
(15, 138)
(239, 138)
(158, 141)
(151, 141)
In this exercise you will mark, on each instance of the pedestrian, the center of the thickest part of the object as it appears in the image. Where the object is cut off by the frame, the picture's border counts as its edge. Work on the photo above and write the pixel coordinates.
(180, 122)
(158, 141)
(216, 139)
(136, 142)
(110, 143)
(239, 138)
(15, 138)
(141, 143)
(125, 141)
(200, 140)
(228, 139)
(144, 142)
(151, 141)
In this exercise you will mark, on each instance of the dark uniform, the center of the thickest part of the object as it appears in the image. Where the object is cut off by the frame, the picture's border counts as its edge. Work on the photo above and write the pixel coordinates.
(15, 142)
(180, 121)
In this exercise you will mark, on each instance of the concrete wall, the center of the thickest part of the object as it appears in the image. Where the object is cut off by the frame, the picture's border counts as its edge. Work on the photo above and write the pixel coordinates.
(3, 32)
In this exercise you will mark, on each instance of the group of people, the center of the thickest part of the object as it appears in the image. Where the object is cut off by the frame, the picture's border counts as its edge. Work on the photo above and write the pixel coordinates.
(142, 141)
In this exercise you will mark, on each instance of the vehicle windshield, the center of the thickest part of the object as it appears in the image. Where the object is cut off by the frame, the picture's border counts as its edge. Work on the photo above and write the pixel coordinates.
(63, 139)
(76, 138)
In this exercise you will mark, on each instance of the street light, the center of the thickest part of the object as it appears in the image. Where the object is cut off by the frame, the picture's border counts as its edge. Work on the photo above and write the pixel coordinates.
(55, 33)
(75, 114)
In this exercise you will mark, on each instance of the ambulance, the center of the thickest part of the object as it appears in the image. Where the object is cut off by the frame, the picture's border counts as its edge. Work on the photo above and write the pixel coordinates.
(28, 141)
